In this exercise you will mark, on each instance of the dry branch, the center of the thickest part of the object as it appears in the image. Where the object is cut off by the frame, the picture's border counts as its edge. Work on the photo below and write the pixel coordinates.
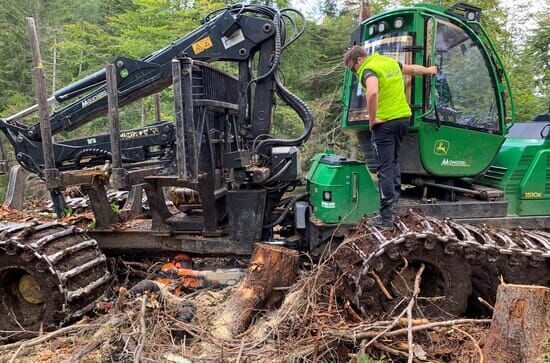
(46, 337)
(142, 329)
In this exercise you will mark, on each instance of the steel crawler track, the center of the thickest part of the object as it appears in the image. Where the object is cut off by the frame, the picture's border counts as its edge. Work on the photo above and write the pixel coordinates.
(463, 262)
(50, 274)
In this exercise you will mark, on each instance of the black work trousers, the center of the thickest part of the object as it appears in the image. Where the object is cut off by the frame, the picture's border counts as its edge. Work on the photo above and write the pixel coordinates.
(386, 141)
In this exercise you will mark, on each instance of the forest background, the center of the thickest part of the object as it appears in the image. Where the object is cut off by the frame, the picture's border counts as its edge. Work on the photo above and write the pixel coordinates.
(79, 37)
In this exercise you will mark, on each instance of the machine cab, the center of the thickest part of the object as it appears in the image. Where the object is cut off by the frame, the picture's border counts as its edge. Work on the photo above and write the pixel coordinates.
(458, 122)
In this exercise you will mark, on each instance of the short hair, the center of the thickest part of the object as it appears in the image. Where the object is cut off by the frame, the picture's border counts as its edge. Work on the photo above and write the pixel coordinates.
(353, 54)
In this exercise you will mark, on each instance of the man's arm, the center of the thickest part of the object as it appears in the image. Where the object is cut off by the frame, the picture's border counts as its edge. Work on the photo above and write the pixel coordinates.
(372, 99)
(416, 70)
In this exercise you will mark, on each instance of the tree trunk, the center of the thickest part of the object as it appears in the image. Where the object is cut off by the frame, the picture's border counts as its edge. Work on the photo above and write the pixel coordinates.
(520, 322)
(270, 267)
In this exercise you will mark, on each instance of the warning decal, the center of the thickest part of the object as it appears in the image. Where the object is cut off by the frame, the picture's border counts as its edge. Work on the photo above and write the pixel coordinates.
(202, 45)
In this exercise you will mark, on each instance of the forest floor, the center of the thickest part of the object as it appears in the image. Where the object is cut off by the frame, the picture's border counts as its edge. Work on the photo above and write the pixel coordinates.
(315, 321)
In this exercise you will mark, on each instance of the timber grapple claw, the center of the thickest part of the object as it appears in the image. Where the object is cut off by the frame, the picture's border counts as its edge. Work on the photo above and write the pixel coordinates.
(462, 262)
(50, 274)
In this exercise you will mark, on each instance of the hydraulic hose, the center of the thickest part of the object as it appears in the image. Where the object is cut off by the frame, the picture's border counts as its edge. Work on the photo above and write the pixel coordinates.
(301, 108)
(279, 173)
(94, 152)
(282, 216)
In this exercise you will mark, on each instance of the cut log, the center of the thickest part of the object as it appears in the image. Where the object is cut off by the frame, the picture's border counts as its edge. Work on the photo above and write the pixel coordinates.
(520, 321)
(270, 268)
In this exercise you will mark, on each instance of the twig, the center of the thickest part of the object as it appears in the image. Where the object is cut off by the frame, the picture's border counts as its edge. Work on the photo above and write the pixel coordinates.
(392, 351)
(330, 298)
(484, 302)
(352, 312)
(87, 349)
(369, 334)
(98, 338)
(43, 338)
(473, 341)
(388, 328)
(141, 341)
(316, 347)
(241, 348)
(398, 317)
(381, 285)
(12, 359)
(416, 291)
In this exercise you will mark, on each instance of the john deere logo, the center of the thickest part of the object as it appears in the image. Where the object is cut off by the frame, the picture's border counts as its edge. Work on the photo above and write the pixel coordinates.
(441, 147)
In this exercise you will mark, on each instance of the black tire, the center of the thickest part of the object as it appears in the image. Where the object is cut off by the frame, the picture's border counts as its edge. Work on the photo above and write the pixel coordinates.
(50, 274)
(445, 284)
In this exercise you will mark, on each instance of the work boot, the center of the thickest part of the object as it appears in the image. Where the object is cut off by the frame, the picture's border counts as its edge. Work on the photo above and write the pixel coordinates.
(381, 222)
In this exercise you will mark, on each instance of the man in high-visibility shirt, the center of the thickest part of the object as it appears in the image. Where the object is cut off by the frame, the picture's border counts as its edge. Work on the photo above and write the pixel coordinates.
(382, 80)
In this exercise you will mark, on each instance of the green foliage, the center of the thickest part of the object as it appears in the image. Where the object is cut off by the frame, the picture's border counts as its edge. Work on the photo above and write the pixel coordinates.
(3, 185)
(116, 208)
(365, 358)
(88, 34)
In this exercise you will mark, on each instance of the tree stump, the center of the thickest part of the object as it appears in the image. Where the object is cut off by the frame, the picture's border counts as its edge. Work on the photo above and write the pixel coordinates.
(521, 320)
(270, 267)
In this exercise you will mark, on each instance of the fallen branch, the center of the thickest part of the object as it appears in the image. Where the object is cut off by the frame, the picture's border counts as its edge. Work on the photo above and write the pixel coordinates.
(12, 359)
(484, 302)
(392, 351)
(98, 338)
(141, 341)
(399, 317)
(46, 337)
(381, 285)
(473, 341)
(353, 335)
(410, 306)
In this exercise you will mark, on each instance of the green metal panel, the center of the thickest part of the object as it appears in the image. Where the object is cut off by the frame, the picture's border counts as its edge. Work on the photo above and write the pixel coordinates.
(522, 167)
(534, 191)
(341, 191)
(454, 152)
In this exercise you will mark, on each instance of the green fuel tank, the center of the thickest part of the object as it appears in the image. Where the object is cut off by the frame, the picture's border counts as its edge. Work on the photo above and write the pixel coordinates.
(341, 189)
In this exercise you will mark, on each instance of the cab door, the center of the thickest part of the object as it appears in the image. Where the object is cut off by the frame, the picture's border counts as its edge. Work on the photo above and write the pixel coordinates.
(462, 128)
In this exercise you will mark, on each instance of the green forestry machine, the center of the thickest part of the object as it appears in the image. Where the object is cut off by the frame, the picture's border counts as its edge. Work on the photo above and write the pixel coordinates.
(233, 183)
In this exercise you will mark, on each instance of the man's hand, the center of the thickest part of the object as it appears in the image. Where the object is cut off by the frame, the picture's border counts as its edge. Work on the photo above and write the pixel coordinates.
(432, 70)
(417, 70)
(373, 124)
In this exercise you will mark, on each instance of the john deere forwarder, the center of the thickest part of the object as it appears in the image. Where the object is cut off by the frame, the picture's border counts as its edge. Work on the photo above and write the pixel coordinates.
(235, 181)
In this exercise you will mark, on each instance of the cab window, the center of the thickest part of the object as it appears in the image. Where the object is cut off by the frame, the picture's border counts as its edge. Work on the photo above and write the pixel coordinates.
(392, 45)
(464, 91)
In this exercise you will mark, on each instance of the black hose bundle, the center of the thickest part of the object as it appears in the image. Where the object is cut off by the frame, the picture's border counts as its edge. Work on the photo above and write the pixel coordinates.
(95, 152)
(301, 108)
(290, 202)
(278, 17)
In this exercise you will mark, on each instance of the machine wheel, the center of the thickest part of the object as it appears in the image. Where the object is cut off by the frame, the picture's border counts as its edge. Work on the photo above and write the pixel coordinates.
(445, 284)
(462, 263)
(50, 274)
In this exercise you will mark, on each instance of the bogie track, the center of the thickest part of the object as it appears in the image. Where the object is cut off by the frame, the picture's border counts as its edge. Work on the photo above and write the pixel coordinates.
(50, 274)
(462, 263)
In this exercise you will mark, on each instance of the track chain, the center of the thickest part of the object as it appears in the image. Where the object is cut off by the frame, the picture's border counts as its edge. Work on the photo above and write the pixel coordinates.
(68, 270)
(466, 261)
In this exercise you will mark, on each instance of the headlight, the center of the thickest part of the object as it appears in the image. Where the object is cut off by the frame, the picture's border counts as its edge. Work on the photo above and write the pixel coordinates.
(382, 27)
(372, 30)
(471, 16)
(398, 23)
